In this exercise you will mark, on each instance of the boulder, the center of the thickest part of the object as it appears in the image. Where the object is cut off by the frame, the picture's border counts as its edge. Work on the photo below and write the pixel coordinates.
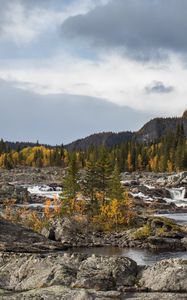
(166, 276)
(21, 272)
(83, 277)
(164, 243)
(106, 273)
(62, 230)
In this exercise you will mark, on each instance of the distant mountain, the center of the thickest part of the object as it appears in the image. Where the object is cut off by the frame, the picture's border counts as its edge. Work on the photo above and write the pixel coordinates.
(158, 127)
(108, 139)
(151, 131)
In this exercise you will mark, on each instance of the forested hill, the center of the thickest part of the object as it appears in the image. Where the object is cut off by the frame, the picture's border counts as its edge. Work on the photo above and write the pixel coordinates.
(159, 146)
(107, 139)
(6, 146)
(152, 131)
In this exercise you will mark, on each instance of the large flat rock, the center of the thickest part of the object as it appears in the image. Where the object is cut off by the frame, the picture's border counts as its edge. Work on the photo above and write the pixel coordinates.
(64, 293)
(15, 238)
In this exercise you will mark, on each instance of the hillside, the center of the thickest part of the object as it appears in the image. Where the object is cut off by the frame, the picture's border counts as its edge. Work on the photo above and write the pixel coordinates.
(151, 131)
(108, 139)
(158, 127)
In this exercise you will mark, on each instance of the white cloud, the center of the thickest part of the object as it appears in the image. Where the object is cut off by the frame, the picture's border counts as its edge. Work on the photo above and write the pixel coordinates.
(21, 25)
(113, 77)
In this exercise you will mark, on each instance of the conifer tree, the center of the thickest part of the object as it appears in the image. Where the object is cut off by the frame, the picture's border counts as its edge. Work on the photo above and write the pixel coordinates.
(90, 180)
(71, 185)
(115, 190)
(103, 171)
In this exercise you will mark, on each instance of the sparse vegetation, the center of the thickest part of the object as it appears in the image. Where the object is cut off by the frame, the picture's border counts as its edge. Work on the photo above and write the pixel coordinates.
(142, 232)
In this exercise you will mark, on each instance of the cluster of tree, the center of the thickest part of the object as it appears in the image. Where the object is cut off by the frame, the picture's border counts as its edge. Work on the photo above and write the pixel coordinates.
(97, 192)
(38, 156)
(96, 196)
(168, 154)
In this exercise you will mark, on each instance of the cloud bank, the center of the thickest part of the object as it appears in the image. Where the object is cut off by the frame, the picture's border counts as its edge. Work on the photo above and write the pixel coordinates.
(60, 118)
(90, 58)
(147, 29)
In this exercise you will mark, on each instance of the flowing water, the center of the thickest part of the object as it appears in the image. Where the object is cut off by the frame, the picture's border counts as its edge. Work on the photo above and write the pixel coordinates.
(179, 218)
(178, 196)
(141, 256)
(178, 193)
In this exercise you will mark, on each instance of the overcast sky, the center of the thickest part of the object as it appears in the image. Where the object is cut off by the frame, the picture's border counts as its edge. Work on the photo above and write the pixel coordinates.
(69, 68)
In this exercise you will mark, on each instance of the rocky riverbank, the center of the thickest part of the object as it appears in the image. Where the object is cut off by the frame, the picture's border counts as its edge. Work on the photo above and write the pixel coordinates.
(153, 233)
(14, 183)
(38, 266)
(35, 267)
(82, 277)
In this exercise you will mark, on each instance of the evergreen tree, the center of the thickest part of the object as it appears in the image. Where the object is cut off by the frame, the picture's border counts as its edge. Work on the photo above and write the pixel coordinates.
(115, 190)
(8, 161)
(180, 148)
(90, 180)
(71, 185)
(103, 171)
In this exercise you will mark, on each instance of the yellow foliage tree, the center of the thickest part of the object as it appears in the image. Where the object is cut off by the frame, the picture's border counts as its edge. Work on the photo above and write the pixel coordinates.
(129, 162)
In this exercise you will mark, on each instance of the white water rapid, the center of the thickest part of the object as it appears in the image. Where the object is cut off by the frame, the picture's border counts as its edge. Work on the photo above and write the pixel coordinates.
(178, 196)
(178, 193)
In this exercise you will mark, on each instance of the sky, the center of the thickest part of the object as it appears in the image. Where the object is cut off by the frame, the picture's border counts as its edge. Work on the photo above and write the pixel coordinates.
(70, 68)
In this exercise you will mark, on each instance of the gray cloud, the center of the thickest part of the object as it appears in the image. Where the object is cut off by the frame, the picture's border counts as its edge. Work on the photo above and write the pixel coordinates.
(158, 87)
(60, 118)
(145, 29)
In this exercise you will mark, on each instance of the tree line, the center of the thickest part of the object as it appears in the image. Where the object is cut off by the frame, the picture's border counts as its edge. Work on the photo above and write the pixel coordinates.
(168, 154)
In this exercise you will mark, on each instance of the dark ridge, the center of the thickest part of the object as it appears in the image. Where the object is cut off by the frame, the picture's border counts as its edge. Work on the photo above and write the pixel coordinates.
(108, 139)
(150, 132)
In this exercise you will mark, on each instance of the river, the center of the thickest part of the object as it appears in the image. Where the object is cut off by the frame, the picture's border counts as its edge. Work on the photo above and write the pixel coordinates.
(141, 256)
(179, 218)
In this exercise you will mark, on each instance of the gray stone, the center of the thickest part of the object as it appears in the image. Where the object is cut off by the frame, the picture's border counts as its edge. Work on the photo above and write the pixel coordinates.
(16, 238)
(106, 273)
(167, 276)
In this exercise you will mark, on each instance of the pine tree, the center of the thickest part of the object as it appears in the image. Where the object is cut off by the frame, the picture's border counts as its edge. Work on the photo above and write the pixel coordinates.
(103, 171)
(8, 161)
(115, 190)
(90, 180)
(71, 185)
(180, 148)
